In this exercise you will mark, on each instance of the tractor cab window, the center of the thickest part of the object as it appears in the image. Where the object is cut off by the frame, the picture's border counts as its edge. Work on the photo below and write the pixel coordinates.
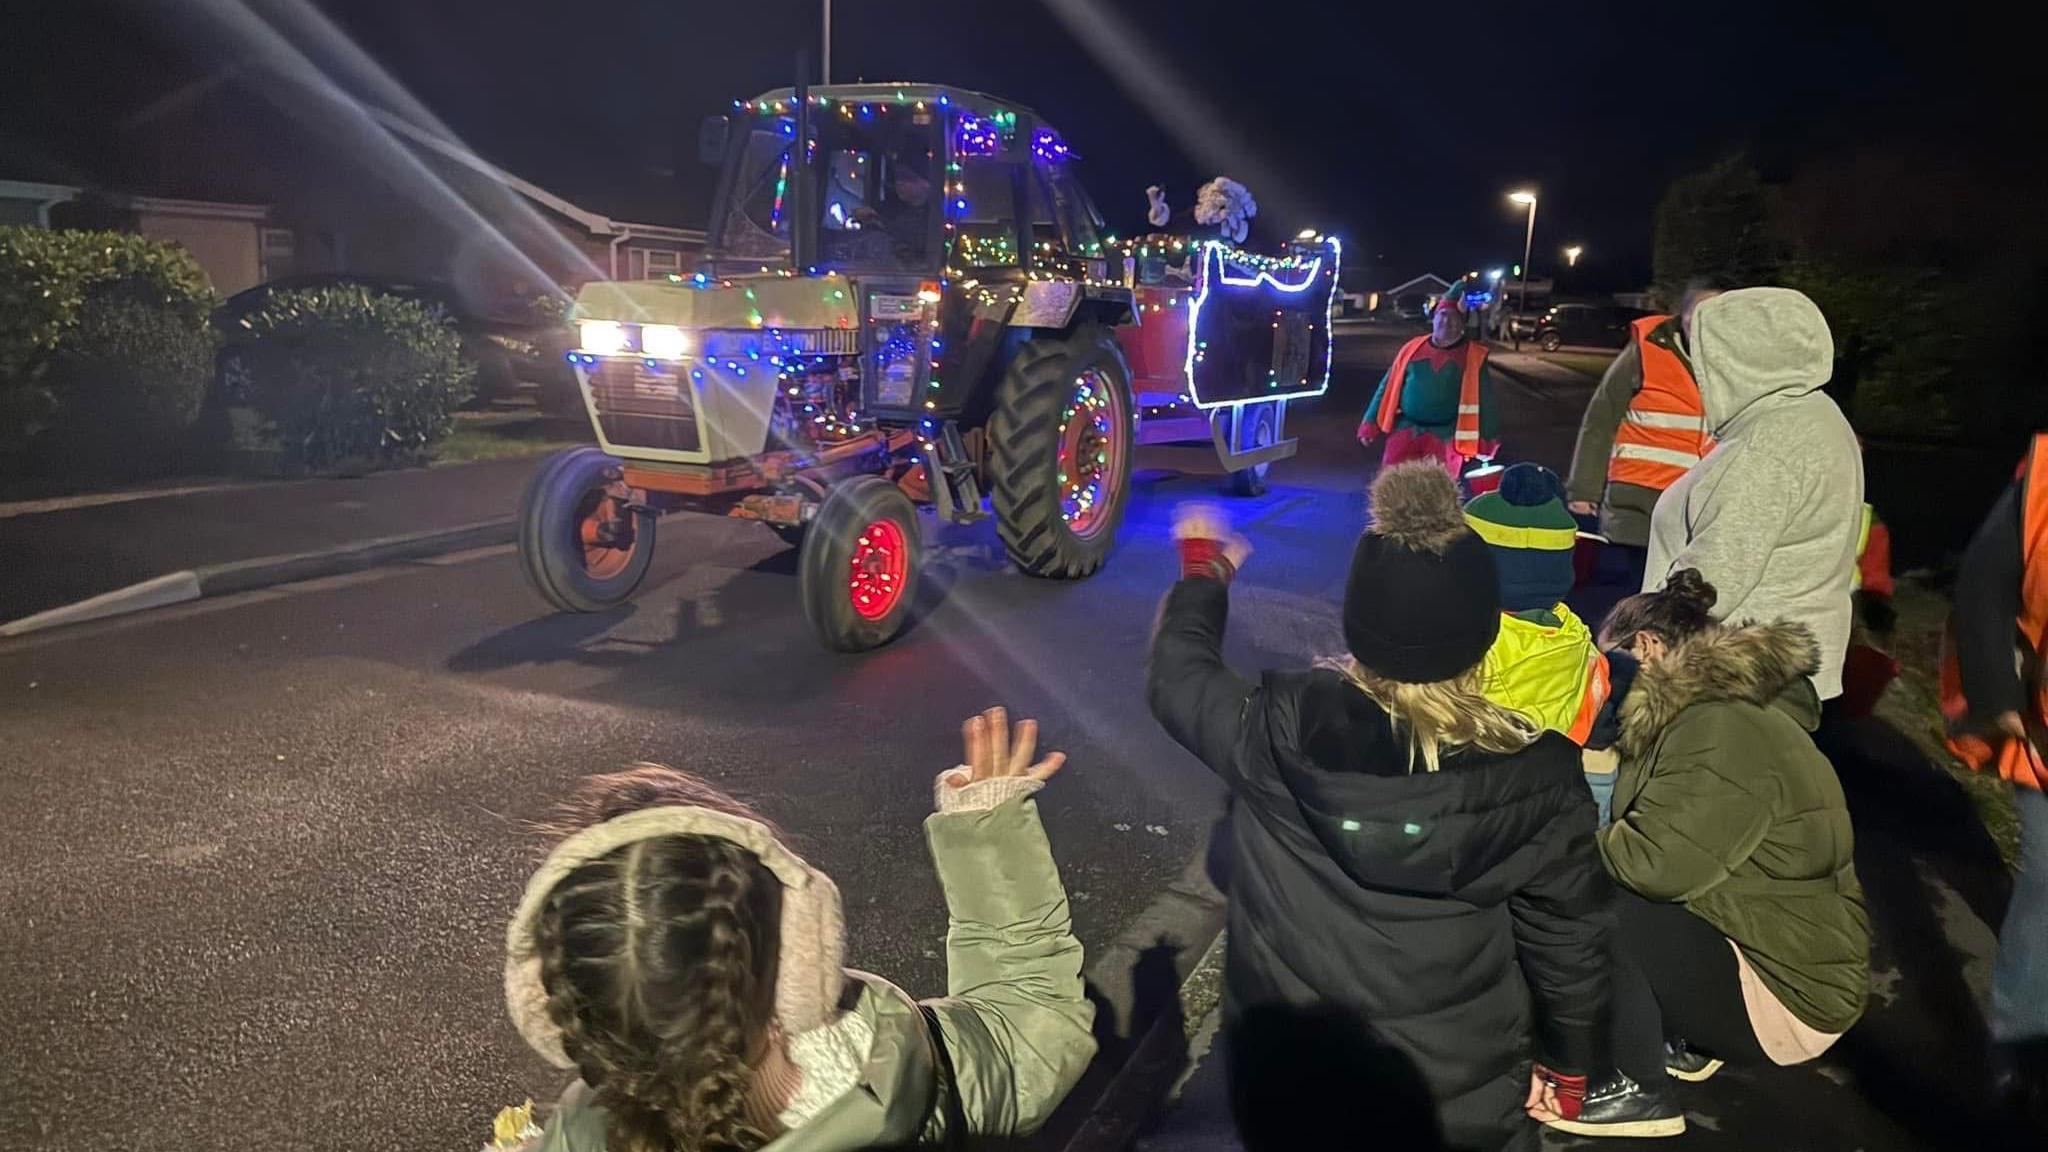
(1076, 216)
(1062, 222)
(756, 225)
(985, 231)
(881, 190)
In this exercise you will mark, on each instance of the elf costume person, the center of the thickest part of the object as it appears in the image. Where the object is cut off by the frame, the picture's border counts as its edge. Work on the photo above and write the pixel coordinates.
(1545, 663)
(1436, 400)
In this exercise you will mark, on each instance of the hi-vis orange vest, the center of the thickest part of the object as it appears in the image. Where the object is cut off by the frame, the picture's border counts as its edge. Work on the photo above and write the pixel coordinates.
(1465, 437)
(1665, 430)
(2018, 761)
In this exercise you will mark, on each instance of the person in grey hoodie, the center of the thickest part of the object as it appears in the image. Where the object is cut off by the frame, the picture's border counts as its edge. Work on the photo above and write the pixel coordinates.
(1770, 517)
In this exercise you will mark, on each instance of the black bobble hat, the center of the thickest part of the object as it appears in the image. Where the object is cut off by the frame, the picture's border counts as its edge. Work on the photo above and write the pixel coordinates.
(1422, 603)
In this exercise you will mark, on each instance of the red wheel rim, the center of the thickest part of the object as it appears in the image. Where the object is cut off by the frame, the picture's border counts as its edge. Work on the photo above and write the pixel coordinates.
(878, 570)
(1091, 453)
(602, 559)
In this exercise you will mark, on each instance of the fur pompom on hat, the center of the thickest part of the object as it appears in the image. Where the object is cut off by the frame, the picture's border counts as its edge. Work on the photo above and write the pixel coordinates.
(1422, 602)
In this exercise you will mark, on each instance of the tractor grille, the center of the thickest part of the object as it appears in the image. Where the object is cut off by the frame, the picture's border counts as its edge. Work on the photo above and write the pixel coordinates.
(644, 407)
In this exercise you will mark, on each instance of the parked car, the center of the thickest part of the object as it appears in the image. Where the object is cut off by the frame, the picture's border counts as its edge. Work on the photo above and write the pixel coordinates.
(1592, 325)
(505, 349)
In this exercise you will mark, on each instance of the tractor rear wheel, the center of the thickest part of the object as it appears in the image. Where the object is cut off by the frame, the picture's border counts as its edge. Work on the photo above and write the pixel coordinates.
(1060, 443)
(857, 571)
(581, 547)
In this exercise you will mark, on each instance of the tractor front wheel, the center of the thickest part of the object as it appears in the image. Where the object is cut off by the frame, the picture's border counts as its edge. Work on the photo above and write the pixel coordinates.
(1060, 443)
(857, 571)
(581, 545)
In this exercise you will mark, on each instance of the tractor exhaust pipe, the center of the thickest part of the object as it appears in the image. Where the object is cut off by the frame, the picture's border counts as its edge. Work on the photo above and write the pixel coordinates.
(800, 221)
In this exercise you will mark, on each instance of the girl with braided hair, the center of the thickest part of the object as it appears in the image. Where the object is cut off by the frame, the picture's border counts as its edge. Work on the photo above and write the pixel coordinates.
(676, 954)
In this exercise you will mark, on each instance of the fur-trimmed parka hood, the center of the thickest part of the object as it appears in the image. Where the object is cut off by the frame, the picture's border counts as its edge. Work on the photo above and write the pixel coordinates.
(1760, 664)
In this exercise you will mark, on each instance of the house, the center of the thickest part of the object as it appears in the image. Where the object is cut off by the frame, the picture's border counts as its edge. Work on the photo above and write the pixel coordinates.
(616, 249)
(233, 243)
(1410, 297)
(25, 202)
(255, 196)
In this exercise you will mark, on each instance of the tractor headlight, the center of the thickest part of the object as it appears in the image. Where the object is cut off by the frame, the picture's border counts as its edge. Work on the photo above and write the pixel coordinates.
(603, 337)
(664, 342)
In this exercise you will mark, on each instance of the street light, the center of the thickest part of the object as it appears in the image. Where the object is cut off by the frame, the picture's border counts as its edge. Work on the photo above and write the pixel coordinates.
(1571, 256)
(1524, 196)
(825, 72)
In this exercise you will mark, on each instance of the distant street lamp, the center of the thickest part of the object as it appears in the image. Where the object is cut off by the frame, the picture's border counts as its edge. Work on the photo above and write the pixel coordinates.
(1571, 256)
(1528, 238)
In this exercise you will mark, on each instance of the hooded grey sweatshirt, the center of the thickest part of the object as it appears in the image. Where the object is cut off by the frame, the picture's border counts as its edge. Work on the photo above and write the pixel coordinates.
(1771, 516)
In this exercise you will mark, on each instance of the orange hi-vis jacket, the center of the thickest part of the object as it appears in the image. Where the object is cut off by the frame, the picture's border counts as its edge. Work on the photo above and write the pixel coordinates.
(1465, 435)
(1664, 432)
(2017, 761)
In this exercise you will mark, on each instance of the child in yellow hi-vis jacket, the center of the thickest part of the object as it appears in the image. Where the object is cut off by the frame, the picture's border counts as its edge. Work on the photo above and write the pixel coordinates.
(1545, 664)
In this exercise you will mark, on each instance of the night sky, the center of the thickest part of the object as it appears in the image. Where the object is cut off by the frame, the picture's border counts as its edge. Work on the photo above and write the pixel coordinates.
(1401, 126)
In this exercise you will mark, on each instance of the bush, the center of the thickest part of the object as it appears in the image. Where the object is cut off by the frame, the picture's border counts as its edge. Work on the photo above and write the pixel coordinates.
(46, 280)
(346, 376)
(129, 381)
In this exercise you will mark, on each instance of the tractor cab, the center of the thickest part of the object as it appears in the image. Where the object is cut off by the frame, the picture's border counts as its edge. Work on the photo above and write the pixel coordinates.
(909, 180)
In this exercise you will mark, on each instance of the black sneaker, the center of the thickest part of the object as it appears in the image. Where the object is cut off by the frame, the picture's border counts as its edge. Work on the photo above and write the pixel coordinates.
(1618, 1106)
(1685, 1064)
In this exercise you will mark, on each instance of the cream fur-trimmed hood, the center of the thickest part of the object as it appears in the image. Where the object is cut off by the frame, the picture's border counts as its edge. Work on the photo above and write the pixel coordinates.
(1748, 664)
(813, 926)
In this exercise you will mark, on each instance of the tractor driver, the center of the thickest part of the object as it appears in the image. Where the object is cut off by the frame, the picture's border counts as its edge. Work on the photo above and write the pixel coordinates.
(903, 220)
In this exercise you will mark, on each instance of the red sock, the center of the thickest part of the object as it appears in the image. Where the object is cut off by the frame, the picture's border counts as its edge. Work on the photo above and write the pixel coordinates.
(1205, 558)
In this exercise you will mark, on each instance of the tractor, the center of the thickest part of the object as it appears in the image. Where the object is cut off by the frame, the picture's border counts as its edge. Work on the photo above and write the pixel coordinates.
(919, 308)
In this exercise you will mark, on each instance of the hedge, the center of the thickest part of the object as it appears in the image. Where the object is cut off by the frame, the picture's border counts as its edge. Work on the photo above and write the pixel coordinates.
(129, 381)
(345, 376)
(46, 280)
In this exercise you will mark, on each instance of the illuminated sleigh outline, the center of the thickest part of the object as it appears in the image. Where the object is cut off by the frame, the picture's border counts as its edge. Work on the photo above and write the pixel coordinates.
(1226, 341)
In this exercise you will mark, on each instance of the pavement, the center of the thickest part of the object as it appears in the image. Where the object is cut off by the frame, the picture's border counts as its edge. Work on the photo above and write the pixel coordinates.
(262, 845)
(94, 546)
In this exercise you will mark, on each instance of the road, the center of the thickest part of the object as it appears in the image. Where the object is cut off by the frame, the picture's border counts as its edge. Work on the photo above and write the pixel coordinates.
(262, 848)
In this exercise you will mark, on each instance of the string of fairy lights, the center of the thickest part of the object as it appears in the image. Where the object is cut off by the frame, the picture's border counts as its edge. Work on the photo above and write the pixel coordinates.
(810, 382)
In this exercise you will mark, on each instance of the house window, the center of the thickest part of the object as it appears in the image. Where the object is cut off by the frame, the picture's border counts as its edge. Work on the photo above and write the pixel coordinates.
(653, 263)
(279, 252)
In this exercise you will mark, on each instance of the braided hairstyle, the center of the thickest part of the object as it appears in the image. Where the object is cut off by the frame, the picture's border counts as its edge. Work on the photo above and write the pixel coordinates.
(659, 961)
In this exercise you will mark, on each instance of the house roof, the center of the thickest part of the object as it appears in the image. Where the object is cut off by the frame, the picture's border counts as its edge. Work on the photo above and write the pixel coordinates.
(1422, 281)
(595, 223)
(34, 190)
(217, 209)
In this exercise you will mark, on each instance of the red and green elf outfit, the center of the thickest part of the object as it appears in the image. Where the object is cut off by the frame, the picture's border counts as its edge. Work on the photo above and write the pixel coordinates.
(1443, 409)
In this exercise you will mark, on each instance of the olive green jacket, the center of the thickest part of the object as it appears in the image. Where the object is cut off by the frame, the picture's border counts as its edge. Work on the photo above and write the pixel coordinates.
(1724, 804)
(1017, 1028)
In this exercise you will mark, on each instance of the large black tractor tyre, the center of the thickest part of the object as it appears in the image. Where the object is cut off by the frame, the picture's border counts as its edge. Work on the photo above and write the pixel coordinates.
(566, 558)
(858, 564)
(1039, 395)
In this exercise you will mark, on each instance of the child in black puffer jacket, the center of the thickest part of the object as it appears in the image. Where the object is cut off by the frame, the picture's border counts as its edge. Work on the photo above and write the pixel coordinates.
(1407, 854)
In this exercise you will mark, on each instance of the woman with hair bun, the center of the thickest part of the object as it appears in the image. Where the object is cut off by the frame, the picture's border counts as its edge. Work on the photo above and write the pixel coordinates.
(1741, 931)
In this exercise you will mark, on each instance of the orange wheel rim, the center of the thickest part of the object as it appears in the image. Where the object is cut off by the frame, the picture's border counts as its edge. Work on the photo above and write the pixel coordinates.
(602, 559)
(1091, 453)
(878, 570)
